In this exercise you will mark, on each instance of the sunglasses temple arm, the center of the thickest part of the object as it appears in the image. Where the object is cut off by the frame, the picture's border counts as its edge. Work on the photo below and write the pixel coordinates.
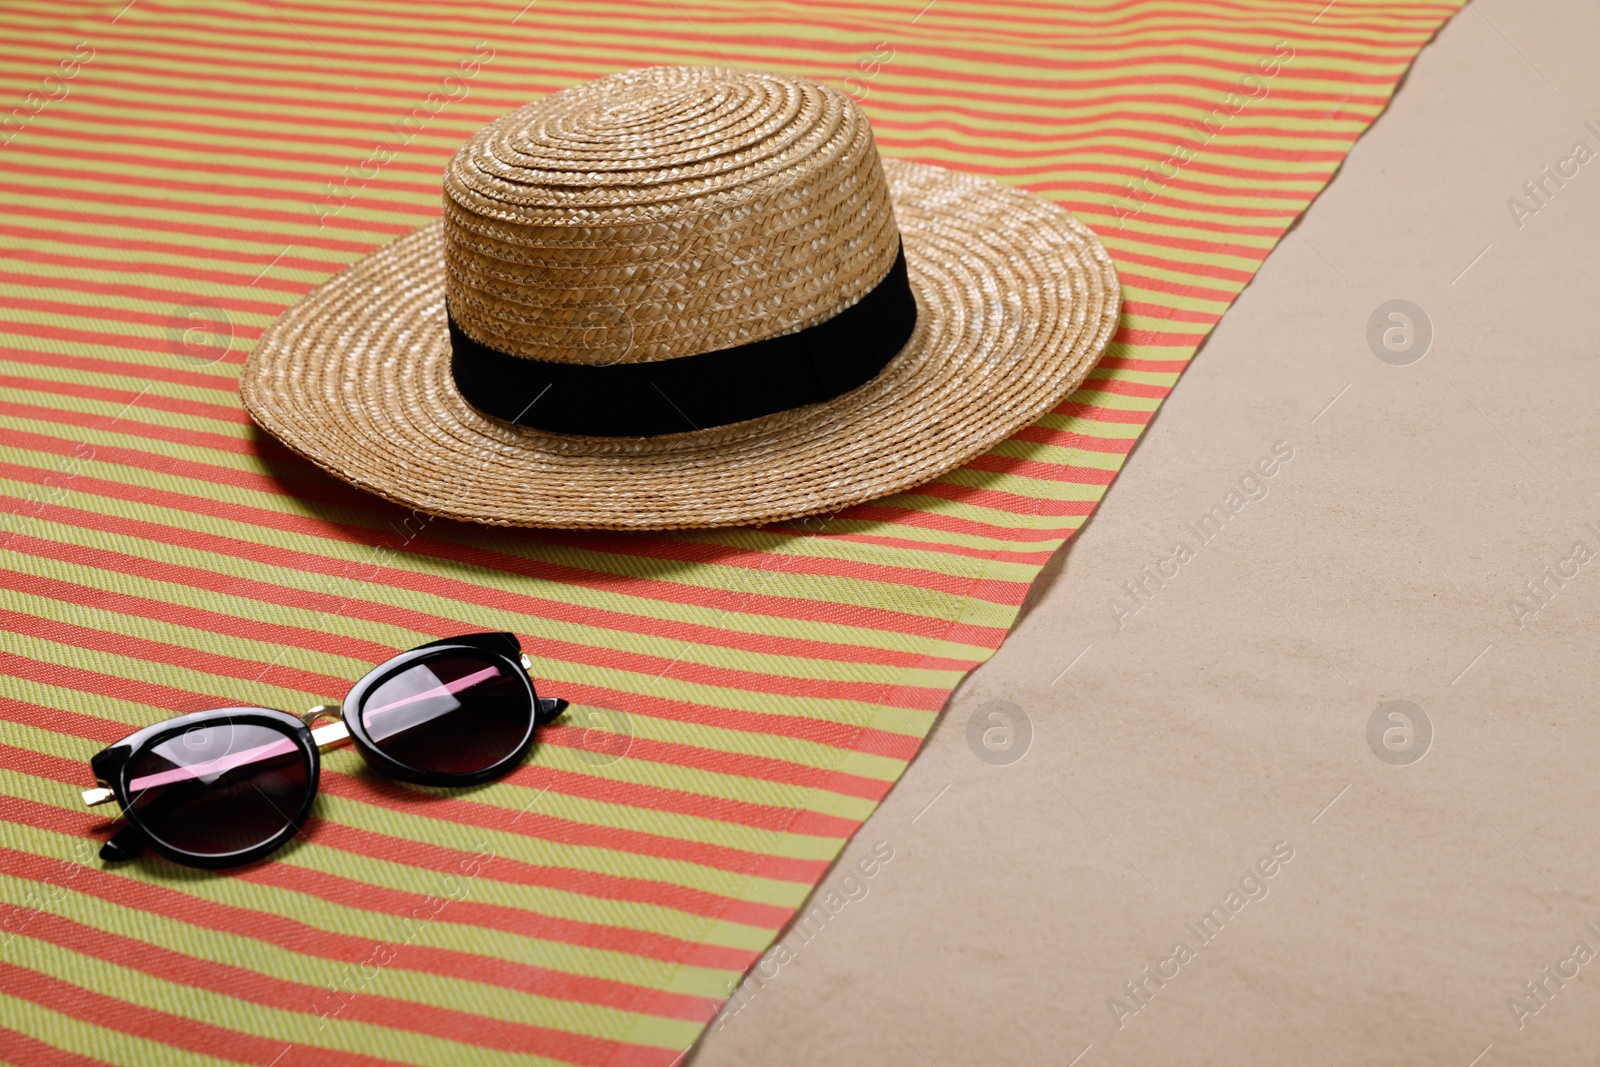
(123, 845)
(549, 709)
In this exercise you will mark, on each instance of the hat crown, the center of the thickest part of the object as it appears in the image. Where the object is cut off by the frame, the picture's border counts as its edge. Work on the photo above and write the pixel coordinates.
(663, 213)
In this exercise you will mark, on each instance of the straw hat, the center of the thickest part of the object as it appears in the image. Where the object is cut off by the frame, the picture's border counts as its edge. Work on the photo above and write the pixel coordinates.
(685, 297)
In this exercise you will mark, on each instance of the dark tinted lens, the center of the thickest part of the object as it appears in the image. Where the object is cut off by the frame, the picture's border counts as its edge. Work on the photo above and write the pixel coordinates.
(453, 713)
(219, 788)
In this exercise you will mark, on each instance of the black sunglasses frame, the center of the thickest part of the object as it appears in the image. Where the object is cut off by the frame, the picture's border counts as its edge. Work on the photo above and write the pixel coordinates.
(111, 769)
(111, 765)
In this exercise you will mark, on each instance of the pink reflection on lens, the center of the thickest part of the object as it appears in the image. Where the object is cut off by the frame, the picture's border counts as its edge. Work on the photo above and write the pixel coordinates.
(214, 768)
(218, 788)
(441, 693)
(449, 713)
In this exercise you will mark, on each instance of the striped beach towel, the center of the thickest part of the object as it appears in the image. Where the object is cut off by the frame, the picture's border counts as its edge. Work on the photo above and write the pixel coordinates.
(173, 173)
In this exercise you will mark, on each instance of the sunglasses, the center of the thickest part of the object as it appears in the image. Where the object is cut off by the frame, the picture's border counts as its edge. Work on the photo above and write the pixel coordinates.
(228, 786)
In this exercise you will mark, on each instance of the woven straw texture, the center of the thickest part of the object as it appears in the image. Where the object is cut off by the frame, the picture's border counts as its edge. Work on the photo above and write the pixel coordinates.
(203, 166)
(665, 212)
(1017, 299)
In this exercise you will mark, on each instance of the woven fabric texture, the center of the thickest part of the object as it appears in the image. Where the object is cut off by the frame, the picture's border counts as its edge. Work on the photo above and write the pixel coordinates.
(174, 173)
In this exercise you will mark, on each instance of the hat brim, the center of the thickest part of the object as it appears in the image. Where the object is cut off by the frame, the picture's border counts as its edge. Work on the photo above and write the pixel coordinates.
(1016, 301)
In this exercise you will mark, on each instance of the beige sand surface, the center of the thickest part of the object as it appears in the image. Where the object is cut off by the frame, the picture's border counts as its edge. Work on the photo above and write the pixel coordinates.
(1230, 713)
